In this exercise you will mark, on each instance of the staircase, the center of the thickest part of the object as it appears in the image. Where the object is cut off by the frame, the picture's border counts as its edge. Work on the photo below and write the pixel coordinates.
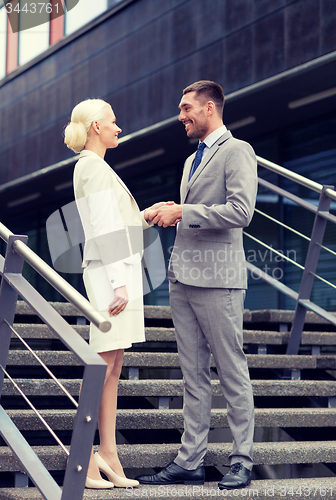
(295, 397)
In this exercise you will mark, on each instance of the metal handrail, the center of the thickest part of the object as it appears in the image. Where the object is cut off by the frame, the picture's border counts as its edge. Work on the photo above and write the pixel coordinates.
(56, 281)
(13, 284)
(283, 225)
(284, 172)
(44, 366)
(322, 215)
(5, 233)
(37, 413)
(294, 231)
(329, 250)
(284, 257)
(271, 249)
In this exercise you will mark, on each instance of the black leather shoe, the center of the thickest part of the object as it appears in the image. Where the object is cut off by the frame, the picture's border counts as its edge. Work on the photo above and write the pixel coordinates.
(237, 477)
(174, 474)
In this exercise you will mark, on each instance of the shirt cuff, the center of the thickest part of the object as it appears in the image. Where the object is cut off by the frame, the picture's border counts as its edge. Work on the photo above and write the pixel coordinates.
(149, 223)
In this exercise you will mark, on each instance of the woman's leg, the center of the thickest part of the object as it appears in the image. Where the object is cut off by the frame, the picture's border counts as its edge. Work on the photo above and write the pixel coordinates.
(107, 415)
(108, 410)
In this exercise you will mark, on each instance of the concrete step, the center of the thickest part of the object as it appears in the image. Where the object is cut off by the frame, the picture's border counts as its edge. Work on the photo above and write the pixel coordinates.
(158, 455)
(67, 309)
(160, 334)
(170, 360)
(285, 317)
(174, 388)
(164, 312)
(171, 388)
(261, 337)
(27, 420)
(43, 332)
(322, 488)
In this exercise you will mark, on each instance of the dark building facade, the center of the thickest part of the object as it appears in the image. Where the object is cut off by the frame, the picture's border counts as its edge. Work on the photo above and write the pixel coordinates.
(276, 60)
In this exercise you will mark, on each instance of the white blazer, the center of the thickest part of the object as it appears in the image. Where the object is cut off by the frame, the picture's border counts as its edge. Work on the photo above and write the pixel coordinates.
(112, 222)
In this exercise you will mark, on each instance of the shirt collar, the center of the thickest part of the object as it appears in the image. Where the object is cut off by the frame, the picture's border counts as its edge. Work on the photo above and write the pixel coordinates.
(210, 140)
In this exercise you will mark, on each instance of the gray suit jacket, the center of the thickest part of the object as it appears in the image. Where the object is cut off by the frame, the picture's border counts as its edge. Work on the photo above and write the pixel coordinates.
(218, 202)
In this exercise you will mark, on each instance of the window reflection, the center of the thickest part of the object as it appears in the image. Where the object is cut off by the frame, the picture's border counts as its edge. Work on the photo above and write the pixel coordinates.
(82, 13)
(33, 42)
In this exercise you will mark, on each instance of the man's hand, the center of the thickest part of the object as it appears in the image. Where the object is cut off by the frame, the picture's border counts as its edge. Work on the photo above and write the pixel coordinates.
(119, 302)
(151, 212)
(168, 215)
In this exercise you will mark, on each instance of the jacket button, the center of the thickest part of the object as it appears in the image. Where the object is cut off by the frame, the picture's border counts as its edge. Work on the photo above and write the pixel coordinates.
(112, 281)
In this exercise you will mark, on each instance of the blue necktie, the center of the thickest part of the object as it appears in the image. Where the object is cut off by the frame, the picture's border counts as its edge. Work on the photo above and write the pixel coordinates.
(198, 158)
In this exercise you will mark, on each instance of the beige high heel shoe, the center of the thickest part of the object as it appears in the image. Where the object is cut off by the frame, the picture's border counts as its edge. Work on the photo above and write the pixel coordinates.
(118, 481)
(98, 484)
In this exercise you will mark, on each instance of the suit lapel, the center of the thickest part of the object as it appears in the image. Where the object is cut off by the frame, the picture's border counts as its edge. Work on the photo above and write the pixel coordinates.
(185, 184)
(122, 184)
(185, 176)
(91, 153)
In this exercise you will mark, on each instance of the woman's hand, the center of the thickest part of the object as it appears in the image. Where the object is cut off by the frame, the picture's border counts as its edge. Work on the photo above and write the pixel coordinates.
(119, 302)
(152, 211)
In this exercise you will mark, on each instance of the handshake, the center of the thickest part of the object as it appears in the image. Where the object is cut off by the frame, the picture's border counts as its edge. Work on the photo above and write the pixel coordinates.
(164, 213)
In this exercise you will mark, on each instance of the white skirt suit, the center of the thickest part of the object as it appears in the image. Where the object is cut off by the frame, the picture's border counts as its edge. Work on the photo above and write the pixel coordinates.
(113, 227)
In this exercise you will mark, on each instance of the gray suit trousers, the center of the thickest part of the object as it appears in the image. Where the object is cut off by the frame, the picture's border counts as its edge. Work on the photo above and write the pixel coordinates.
(210, 320)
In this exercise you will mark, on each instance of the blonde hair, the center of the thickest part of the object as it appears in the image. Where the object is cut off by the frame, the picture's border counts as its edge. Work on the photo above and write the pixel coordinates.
(82, 116)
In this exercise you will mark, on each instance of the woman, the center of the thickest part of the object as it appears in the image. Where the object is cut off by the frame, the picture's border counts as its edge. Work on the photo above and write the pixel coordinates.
(112, 276)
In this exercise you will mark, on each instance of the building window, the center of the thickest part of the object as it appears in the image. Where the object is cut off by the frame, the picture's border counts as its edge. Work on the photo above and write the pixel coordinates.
(3, 41)
(23, 45)
(12, 49)
(83, 13)
(32, 42)
(56, 25)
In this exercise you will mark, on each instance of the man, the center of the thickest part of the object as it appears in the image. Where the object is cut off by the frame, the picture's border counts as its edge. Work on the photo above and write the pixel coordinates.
(207, 276)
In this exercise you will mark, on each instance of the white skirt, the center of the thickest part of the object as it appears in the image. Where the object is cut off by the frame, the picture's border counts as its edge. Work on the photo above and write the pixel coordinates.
(128, 326)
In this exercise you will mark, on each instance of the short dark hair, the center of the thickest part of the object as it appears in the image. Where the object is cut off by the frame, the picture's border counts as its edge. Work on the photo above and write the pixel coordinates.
(210, 91)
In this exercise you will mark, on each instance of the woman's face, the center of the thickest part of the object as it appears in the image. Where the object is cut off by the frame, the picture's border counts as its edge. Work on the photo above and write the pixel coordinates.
(109, 130)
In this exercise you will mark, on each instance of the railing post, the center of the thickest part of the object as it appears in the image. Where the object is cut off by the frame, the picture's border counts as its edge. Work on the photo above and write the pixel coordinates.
(307, 280)
(8, 299)
(13, 265)
(85, 425)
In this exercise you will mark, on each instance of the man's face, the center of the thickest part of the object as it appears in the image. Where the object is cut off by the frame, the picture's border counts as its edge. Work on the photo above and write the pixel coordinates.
(193, 116)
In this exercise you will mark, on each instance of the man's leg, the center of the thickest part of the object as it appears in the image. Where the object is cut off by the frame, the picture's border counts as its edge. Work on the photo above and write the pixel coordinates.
(220, 315)
(194, 355)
